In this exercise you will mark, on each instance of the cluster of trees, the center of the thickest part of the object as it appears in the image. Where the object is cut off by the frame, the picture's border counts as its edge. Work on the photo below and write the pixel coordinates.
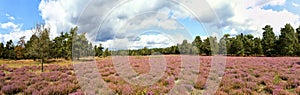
(41, 47)
(286, 44)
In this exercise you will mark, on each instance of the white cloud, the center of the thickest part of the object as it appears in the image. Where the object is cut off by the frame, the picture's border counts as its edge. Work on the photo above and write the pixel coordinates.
(9, 17)
(240, 16)
(233, 32)
(15, 35)
(61, 15)
(295, 4)
(249, 17)
(15, 32)
(10, 26)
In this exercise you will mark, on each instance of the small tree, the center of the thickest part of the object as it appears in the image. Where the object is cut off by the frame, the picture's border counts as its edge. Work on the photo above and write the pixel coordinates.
(43, 42)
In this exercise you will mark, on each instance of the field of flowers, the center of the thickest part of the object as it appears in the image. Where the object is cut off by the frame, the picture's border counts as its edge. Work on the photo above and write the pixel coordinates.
(243, 75)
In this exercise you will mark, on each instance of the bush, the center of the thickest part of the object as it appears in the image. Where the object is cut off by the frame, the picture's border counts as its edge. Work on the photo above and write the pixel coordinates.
(12, 89)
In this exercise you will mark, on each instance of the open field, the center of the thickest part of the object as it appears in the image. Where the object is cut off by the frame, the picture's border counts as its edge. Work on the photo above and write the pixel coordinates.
(243, 75)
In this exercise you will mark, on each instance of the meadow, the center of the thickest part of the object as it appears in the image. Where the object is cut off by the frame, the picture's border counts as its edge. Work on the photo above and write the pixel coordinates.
(242, 76)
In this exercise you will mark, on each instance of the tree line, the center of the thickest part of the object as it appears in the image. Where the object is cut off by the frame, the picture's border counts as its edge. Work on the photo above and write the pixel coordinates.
(286, 44)
(41, 47)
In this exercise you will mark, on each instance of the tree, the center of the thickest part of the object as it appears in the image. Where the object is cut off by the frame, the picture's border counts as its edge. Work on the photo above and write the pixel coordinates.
(43, 43)
(9, 52)
(206, 48)
(58, 46)
(2, 49)
(20, 48)
(185, 47)
(32, 47)
(99, 50)
(145, 51)
(248, 44)
(268, 41)
(106, 53)
(81, 46)
(69, 42)
(236, 46)
(224, 43)
(198, 44)
(298, 38)
(257, 49)
(287, 41)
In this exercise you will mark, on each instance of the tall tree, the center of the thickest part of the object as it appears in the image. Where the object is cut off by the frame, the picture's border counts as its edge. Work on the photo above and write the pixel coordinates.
(185, 47)
(248, 44)
(58, 48)
(81, 47)
(106, 53)
(32, 47)
(257, 49)
(298, 38)
(198, 44)
(69, 43)
(99, 50)
(268, 41)
(223, 43)
(287, 41)
(2, 49)
(9, 52)
(236, 46)
(206, 48)
(20, 48)
(43, 44)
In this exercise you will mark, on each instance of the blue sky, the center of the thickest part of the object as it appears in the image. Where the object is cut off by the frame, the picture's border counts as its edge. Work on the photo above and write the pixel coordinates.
(291, 5)
(19, 16)
(25, 12)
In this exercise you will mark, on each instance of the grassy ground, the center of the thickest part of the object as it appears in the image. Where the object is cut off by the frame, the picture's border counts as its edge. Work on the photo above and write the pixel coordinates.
(21, 63)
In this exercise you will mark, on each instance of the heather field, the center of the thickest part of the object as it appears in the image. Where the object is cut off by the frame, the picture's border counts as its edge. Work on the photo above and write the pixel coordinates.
(242, 76)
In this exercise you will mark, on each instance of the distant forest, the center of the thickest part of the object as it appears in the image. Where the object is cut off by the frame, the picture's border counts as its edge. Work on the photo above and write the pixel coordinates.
(41, 47)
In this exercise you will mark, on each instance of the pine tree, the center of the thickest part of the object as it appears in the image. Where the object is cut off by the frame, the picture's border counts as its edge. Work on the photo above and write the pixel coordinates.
(248, 44)
(224, 41)
(236, 46)
(206, 48)
(32, 47)
(2, 49)
(198, 44)
(257, 49)
(287, 41)
(268, 41)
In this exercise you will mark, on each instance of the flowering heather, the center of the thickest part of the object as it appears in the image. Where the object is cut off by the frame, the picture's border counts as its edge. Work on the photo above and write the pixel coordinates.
(242, 76)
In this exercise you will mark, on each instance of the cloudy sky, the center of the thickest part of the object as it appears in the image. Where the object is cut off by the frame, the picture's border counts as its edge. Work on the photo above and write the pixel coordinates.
(152, 23)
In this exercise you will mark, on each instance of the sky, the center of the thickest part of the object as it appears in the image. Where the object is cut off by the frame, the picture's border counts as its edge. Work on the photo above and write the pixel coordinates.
(151, 23)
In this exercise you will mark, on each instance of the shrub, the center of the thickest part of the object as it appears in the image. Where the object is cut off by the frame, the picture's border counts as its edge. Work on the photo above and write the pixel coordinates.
(13, 89)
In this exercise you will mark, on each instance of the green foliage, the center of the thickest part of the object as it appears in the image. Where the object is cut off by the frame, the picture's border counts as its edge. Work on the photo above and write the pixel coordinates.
(198, 44)
(73, 44)
(206, 47)
(287, 41)
(2, 49)
(106, 53)
(236, 46)
(257, 49)
(98, 50)
(268, 41)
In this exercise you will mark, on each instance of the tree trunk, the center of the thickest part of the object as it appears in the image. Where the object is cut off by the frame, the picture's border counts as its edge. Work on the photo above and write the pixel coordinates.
(42, 64)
